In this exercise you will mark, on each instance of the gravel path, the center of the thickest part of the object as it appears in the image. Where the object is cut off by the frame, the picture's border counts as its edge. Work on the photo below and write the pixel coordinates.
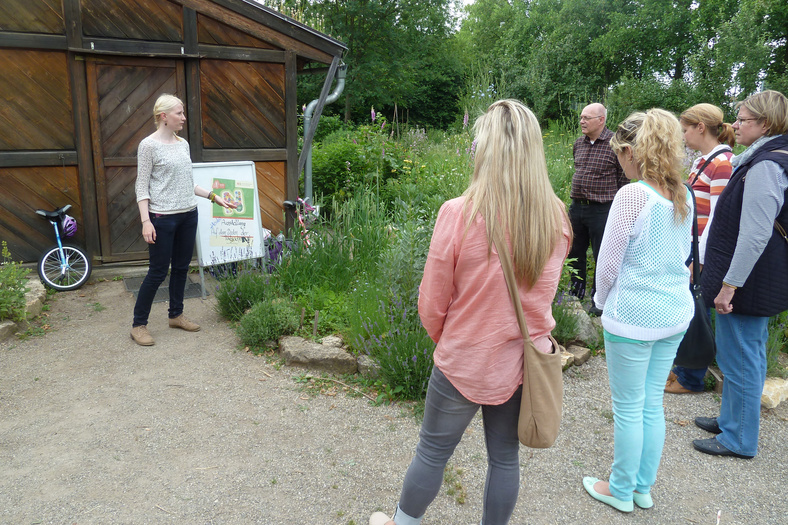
(96, 430)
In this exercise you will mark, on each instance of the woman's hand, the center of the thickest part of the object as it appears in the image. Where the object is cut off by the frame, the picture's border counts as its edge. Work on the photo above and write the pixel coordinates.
(224, 204)
(148, 232)
(722, 303)
(700, 269)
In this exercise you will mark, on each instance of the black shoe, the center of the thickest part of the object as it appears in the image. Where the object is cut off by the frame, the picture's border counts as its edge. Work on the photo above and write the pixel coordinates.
(709, 424)
(712, 447)
(595, 311)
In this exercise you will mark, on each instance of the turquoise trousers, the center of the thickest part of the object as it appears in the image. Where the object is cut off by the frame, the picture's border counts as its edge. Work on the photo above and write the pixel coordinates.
(637, 371)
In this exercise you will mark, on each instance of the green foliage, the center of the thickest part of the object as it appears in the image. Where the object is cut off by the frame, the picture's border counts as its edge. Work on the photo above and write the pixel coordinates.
(392, 335)
(235, 295)
(356, 160)
(267, 321)
(330, 305)
(13, 286)
(777, 345)
(346, 244)
(640, 94)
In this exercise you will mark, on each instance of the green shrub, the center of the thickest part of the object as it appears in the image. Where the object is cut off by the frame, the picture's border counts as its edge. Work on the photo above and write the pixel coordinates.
(347, 243)
(235, 295)
(268, 321)
(330, 305)
(777, 344)
(400, 345)
(566, 325)
(13, 286)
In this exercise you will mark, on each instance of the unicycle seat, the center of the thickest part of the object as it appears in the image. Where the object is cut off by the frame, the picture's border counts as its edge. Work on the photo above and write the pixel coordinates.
(52, 215)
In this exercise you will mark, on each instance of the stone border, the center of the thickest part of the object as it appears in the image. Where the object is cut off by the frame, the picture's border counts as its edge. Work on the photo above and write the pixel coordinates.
(34, 298)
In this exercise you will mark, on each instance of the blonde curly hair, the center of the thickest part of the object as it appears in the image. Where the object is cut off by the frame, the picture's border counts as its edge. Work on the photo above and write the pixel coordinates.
(657, 146)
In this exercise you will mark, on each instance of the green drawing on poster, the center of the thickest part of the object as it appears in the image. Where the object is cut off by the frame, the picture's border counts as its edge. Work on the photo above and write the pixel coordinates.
(239, 192)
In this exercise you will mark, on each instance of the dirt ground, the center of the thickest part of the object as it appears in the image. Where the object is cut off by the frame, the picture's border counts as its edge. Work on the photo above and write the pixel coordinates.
(97, 430)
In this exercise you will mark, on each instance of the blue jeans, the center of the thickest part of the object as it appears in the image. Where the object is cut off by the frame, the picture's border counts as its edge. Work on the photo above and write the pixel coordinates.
(174, 246)
(588, 224)
(691, 378)
(446, 416)
(741, 354)
(637, 371)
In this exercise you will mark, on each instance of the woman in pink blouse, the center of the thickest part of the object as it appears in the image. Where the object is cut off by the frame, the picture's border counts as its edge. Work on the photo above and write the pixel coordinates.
(465, 307)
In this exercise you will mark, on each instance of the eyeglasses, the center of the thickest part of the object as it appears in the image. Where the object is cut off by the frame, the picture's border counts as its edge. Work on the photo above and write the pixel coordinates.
(743, 120)
(585, 119)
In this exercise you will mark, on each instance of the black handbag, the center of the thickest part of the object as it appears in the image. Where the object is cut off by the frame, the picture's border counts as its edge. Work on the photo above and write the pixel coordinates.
(697, 349)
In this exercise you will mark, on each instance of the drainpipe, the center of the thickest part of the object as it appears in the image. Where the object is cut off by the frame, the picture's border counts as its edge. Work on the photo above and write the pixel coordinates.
(310, 110)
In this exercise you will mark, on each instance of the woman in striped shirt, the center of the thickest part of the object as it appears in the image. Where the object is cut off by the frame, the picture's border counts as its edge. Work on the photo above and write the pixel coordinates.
(705, 132)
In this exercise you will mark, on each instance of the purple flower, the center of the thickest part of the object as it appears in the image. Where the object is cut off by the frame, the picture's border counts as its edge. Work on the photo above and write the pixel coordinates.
(465, 120)
(372, 113)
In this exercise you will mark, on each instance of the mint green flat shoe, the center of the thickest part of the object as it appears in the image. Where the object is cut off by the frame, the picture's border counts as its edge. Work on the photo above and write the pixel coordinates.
(623, 506)
(643, 501)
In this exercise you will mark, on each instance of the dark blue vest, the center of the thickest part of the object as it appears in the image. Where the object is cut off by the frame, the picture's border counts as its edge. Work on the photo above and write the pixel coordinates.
(765, 293)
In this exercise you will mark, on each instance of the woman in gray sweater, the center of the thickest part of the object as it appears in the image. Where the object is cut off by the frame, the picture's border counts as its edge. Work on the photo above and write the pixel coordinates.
(168, 211)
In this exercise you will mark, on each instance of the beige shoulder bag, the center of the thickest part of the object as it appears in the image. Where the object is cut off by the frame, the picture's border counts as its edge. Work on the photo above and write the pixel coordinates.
(543, 379)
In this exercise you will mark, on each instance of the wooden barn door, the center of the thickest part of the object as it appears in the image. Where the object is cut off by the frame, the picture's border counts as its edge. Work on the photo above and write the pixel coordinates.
(121, 94)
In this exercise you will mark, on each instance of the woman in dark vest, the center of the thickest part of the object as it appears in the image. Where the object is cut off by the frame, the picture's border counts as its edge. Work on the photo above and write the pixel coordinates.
(745, 276)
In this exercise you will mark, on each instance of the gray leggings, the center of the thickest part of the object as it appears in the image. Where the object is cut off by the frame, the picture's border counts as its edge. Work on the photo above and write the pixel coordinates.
(446, 416)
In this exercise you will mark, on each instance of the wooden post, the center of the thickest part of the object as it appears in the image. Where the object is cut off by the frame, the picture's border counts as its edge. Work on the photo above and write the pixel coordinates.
(314, 326)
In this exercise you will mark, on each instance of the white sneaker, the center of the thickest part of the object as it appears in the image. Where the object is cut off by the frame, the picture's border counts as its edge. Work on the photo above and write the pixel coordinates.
(378, 518)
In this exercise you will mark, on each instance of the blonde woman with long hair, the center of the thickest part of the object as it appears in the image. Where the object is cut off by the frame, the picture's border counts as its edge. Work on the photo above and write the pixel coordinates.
(465, 307)
(643, 289)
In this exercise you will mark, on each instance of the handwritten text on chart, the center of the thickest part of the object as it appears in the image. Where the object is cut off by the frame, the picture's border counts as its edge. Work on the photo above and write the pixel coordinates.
(231, 232)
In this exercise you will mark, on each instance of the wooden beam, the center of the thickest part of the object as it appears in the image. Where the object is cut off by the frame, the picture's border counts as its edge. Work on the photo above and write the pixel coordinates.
(87, 175)
(246, 54)
(19, 159)
(285, 25)
(33, 41)
(332, 71)
(72, 16)
(132, 47)
(257, 155)
(190, 38)
(256, 27)
(291, 133)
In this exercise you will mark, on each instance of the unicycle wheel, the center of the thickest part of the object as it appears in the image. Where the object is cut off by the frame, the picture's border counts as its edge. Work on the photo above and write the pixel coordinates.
(63, 277)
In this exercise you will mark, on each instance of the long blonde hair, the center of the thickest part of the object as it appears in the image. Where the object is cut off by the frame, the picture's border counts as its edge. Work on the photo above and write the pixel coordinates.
(511, 189)
(658, 148)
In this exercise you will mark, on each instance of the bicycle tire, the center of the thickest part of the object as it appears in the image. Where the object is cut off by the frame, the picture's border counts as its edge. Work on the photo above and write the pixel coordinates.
(77, 273)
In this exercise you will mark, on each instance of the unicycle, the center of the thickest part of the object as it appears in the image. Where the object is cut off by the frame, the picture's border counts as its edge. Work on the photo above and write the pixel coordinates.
(63, 267)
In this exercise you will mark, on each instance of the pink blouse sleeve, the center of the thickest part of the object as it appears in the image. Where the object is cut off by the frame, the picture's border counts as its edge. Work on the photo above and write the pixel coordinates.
(435, 291)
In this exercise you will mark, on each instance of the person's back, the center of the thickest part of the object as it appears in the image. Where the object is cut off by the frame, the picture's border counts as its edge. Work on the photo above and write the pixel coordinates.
(649, 298)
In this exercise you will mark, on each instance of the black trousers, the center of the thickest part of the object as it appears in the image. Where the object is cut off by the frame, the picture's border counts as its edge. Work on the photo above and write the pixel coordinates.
(588, 222)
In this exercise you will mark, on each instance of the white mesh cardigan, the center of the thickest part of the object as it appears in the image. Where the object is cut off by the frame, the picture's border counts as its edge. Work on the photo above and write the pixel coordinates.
(641, 276)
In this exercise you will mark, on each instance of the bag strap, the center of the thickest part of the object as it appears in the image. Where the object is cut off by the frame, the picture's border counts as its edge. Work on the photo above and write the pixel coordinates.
(511, 282)
(708, 161)
(695, 249)
(781, 230)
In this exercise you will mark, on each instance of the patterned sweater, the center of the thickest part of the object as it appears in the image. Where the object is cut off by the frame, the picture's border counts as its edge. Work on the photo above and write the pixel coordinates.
(642, 282)
(164, 176)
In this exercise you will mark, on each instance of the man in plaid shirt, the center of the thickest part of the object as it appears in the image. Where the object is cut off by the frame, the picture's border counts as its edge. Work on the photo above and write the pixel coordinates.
(598, 176)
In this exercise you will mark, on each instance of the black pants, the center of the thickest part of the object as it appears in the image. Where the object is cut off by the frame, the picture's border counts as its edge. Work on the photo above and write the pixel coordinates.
(174, 246)
(588, 222)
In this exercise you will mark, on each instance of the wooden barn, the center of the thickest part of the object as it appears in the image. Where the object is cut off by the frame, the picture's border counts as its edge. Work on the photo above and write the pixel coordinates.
(78, 79)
